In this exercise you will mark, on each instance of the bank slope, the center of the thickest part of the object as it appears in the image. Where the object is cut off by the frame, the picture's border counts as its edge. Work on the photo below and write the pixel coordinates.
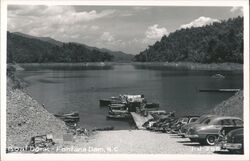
(230, 107)
(27, 118)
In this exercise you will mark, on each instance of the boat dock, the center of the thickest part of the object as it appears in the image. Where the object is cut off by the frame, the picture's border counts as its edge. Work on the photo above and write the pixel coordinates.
(140, 120)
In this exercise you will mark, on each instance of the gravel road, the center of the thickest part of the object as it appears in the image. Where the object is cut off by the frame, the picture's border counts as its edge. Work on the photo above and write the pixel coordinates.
(136, 142)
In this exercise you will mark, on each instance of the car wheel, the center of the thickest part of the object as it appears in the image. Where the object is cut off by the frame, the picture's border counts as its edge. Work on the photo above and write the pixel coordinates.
(210, 139)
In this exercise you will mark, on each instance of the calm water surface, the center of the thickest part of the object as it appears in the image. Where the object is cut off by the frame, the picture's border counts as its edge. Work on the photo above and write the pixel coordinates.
(66, 91)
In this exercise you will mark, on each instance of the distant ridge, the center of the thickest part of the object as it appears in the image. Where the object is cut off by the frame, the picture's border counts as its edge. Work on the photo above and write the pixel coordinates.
(22, 48)
(47, 39)
(119, 56)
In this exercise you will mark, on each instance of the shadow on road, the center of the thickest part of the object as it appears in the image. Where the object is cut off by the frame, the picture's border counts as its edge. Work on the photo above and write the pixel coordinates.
(226, 152)
(174, 137)
(184, 141)
(193, 144)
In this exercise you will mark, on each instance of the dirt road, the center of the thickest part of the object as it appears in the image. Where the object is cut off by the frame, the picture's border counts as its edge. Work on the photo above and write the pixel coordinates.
(135, 142)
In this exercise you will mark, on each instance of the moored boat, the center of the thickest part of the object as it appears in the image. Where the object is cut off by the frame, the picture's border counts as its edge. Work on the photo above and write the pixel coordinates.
(69, 117)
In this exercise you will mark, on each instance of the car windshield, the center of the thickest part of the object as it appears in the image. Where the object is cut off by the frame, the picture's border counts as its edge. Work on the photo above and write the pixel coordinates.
(207, 121)
(203, 118)
(238, 122)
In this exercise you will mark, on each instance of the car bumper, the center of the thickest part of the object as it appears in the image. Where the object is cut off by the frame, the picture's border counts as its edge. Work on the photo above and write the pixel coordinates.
(231, 146)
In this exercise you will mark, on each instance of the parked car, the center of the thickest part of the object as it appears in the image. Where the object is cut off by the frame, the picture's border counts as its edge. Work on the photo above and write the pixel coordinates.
(200, 120)
(158, 126)
(233, 140)
(208, 132)
(183, 121)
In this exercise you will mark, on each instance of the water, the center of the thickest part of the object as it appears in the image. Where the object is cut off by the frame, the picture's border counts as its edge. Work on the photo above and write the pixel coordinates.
(66, 91)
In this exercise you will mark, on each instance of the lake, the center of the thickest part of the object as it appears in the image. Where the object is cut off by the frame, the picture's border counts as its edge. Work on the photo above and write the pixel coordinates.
(80, 90)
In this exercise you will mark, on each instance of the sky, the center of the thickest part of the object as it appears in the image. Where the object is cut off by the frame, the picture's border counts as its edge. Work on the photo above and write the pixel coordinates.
(130, 29)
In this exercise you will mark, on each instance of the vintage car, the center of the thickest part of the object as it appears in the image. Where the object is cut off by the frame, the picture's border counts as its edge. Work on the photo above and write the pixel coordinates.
(158, 126)
(183, 121)
(191, 123)
(232, 139)
(208, 132)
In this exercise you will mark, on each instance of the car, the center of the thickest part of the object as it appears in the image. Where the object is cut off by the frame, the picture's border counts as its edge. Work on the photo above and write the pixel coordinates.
(200, 120)
(183, 121)
(158, 126)
(233, 141)
(208, 132)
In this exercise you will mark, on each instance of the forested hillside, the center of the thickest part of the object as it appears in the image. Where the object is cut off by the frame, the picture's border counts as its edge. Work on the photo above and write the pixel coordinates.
(215, 43)
(24, 49)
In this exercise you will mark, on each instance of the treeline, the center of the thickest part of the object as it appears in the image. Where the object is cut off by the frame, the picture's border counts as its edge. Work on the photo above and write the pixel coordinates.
(216, 43)
(29, 50)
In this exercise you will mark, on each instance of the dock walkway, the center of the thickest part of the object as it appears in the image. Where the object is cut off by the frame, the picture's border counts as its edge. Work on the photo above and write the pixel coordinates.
(140, 120)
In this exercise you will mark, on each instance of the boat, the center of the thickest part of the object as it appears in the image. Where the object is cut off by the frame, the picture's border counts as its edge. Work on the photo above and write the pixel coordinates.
(114, 112)
(118, 116)
(111, 100)
(69, 117)
(121, 99)
(117, 105)
(104, 102)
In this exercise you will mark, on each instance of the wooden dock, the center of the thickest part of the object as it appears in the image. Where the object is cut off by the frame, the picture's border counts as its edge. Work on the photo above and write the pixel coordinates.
(140, 120)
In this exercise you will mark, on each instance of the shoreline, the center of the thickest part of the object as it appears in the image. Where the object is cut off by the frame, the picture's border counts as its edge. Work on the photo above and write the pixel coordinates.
(234, 67)
(190, 66)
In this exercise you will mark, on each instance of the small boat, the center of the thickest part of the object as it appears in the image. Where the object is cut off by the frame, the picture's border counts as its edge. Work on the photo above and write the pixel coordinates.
(110, 101)
(118, 116)
(104, 102)
(68, 114)
(69, 117)
(218, 76)
(112, 111)
(117, 105)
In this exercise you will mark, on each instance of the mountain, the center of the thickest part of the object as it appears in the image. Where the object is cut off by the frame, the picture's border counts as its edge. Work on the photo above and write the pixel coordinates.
(118, 56)
(47, 39)
(215, 43)
(29, 49)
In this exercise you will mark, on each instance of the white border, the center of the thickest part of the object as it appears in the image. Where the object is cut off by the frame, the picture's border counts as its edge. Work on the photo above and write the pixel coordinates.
(244, 3)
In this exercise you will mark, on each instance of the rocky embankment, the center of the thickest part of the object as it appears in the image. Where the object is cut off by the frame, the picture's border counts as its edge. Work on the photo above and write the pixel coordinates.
(27, 118)
(231, 107)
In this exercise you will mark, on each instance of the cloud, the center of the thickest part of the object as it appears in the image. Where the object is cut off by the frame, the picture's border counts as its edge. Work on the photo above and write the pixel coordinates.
(199, 22)
(107, 37)
(52, 20)
(94, 27)
(237, 10)
(155, 32)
